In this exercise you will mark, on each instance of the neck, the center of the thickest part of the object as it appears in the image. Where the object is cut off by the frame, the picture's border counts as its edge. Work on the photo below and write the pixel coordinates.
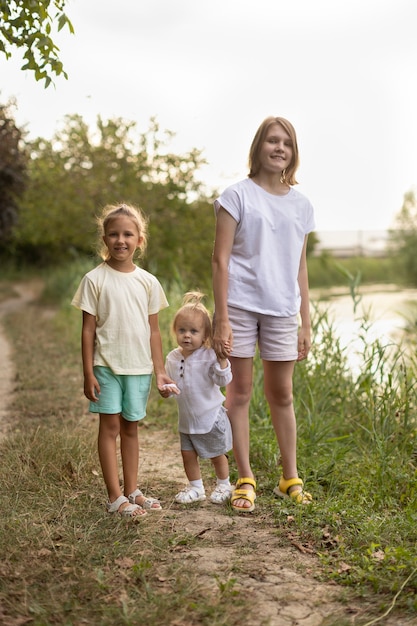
(271, 182)
(121, 266)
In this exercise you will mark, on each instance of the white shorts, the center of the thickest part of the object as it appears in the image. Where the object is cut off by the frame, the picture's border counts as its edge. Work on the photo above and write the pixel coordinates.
(277, 337)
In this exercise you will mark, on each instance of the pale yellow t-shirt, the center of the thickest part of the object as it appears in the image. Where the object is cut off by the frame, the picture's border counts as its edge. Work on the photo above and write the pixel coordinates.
(121, 303)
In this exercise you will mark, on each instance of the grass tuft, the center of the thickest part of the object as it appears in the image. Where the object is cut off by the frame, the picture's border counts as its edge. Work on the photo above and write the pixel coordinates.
(64, 560)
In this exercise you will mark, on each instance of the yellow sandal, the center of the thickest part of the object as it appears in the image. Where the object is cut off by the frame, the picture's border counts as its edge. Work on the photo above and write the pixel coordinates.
(298, 496)
(244, 494)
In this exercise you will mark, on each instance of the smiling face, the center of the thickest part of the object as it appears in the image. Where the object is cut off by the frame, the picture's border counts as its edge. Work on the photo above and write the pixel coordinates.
(276, 151)
(190, 331)
(122, 240)
(271, 132)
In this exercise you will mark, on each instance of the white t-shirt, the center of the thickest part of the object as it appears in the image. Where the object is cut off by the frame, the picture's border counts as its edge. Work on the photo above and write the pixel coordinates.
(121, 303)
(199, 378)
(266, 252)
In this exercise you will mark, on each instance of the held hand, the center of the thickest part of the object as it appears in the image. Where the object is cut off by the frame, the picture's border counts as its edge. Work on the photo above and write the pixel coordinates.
(304, 344)
(169, 390)
(166, 386)
(223, 340)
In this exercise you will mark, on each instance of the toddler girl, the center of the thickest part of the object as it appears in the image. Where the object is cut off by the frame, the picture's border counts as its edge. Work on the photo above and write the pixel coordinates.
(204, 427)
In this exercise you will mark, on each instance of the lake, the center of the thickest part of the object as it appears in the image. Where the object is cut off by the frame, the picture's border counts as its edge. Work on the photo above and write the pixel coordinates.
(387, 308)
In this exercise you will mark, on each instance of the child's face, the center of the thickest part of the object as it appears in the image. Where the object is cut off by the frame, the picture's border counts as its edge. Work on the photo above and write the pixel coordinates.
(122, 239)
(190, 331)
(276, 151)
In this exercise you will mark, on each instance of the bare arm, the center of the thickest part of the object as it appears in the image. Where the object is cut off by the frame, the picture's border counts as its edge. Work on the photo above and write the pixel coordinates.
(88, 335)
(304, 335)
(225, 234)
(162, 377)
(222, 362)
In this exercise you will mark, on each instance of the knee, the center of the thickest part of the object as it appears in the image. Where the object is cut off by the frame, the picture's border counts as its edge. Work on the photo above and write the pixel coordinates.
(109, 432)
(280, 396)
(128, 429)
(239, 396)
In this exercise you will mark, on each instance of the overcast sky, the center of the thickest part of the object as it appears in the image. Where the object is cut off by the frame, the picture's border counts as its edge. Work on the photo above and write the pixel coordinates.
(344, 72)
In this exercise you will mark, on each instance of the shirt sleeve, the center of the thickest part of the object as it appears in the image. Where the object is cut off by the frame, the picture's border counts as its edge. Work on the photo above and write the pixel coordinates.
(230, 200)
(157, 298)
(85, 297)
(219, 376)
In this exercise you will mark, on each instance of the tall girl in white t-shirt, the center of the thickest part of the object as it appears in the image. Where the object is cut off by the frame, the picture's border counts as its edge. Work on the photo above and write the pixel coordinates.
(260, 285)
(121, 347)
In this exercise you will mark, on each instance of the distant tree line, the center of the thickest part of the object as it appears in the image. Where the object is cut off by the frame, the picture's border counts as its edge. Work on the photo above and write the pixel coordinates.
(13, 171)
(52, 190)
(57, 187)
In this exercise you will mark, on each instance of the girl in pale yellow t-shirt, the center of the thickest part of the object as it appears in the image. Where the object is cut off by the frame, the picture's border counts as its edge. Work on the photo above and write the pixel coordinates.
(121, 347)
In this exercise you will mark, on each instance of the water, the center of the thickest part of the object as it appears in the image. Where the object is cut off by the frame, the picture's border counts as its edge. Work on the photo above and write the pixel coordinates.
(387, 309)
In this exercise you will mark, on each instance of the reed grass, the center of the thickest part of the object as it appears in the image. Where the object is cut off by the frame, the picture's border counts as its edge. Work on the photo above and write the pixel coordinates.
(357, 451)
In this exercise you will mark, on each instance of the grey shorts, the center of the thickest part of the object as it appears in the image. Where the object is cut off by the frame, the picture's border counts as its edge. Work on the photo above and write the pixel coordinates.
(276, 337)
(214, 443)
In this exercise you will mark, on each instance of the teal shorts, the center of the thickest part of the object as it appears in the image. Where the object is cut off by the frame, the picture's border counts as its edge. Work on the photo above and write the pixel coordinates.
(125, 394)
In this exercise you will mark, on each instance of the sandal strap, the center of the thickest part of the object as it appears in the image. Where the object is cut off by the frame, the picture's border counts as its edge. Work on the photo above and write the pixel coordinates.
(113, 507)
(243, 494)
(132, 496)
(148, 501)
(284, 485)
(246, 481)
(301, 497)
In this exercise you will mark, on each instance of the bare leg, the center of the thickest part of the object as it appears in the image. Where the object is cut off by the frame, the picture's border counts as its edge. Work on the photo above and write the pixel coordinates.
(129, 449)
(192, 492)
(278, 392)
(238, 394)
(191, 464)
(109, 430)
(221, 466)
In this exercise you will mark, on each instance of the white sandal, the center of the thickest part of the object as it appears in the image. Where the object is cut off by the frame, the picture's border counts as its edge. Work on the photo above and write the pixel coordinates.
(127, 511)
(151, 504)
(190, 494)
(222, 494)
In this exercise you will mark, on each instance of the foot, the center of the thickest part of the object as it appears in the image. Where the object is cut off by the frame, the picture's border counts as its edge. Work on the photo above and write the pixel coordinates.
(122, 506)
(293, 488)
(150, 504)
(244, 495)
(242, 503)
(190, 494)
(298, 495)
(221, 494)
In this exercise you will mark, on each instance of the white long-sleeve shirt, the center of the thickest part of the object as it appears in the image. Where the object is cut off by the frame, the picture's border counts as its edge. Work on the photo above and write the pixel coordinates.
(199, 378)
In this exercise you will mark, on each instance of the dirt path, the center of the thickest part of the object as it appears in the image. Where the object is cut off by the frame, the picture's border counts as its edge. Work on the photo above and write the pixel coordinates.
(24, 295)
(245, 552)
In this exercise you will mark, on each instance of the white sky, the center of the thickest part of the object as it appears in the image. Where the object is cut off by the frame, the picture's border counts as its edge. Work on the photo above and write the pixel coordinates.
(344, 72)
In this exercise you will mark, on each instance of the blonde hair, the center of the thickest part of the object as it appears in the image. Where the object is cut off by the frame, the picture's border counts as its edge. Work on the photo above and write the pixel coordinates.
(255, 149)
(193, 303)
(111, 212)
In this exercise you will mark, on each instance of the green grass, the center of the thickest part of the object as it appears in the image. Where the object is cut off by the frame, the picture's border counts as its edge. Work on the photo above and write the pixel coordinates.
(60, 563)
(328, 271)
(61, 560)
(358, 452)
